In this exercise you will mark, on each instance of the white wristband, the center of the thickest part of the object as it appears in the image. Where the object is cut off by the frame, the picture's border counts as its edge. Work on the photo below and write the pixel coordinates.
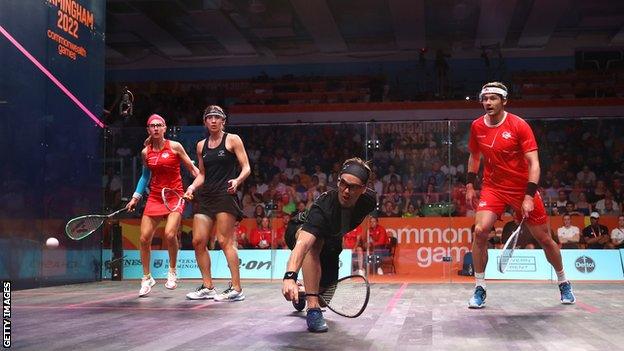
(137, 196)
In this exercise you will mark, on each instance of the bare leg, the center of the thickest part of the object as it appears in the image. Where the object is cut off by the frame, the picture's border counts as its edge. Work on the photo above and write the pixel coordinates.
(202, 226)
(483, 223)
(171, 235)
(148, 226)
(225, 235)
(550, 247)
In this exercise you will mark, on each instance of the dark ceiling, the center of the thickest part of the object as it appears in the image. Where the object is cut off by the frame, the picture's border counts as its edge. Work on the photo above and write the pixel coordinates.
(223, 32)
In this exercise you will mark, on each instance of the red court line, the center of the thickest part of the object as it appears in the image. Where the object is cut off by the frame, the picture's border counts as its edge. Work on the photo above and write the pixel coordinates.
(200, 306)
(586, 307)
(393, 301)
(117, 297)
(51, 77)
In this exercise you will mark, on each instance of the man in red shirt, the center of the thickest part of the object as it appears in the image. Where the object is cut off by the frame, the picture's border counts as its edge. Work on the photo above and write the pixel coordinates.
(279, 242)
(353, 241)
(240, 231)
(379, 240)
(511, 173)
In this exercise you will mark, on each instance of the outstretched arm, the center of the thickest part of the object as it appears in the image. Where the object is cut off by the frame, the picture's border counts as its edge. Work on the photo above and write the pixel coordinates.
(305, 241)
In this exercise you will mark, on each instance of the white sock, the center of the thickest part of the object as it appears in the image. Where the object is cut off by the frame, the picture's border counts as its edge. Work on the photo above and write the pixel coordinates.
(480, 279)
(147, 276)
(561, 277)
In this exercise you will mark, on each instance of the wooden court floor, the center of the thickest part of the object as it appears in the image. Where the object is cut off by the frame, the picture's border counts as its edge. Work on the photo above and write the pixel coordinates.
(400, 316)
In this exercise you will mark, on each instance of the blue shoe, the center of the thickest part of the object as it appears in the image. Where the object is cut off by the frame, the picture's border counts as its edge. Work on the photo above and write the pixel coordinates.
(567, 296)
(315, 320)
(478, 299)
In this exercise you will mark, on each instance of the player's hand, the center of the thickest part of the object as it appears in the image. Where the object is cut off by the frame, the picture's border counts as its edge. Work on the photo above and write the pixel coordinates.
(471, 197)
(232, 186)
(188, 195)
(527, 205)
(131, 206)
(290, 290)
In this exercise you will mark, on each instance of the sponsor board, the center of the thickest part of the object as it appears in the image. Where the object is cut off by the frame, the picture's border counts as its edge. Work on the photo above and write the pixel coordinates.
(253, 264)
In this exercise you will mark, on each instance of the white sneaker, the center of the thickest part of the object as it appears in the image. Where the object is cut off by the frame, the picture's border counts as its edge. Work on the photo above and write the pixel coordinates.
(379, 271)
(146, 286)
(202, 293)
(172, 280)
(230, 295)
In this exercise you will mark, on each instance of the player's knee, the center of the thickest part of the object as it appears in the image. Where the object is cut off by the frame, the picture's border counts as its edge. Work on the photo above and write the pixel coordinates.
(145, 240)
(171, 236)
(199, 243)
(480, 235)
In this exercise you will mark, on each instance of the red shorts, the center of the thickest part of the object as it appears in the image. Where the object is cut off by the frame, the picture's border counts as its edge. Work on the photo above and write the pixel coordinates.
(496, 200)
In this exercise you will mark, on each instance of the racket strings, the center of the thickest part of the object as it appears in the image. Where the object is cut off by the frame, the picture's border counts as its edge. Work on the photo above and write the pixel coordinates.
(172, 199)
(348, 297)
(81, 227)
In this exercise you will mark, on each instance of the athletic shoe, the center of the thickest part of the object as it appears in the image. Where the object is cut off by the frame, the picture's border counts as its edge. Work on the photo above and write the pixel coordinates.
(567, 296)
(172, 280)
(202, 293)
(146, 286)
(316, 322)
(478, 299)
(379, 271)
(230, 295)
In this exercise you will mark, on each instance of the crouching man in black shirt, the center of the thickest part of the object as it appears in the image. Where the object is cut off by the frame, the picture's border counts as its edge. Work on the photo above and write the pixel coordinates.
(316, 238)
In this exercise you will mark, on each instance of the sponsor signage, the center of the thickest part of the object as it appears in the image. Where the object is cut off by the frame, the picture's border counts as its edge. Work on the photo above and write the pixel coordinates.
(253, 264)
(592, 264)
(524, 264)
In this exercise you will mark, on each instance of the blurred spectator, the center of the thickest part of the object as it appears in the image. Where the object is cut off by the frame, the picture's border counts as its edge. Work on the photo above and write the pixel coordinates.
(241, 235)
(292, 169)
(582, 205)
(570, 209)
(279, 242)
(617, 234)
(379, 240)
(353, 241)
(320, 175)
(389, 210)
(260, 238)
(595, 235)
(569, 235)
(607, 206)
(586, 177)
(386, 179)
(562, 201)
(617, 190)
(598, 193)
(287, 205)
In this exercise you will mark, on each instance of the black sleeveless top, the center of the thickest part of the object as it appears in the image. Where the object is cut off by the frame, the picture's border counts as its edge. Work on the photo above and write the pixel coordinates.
(220, 165)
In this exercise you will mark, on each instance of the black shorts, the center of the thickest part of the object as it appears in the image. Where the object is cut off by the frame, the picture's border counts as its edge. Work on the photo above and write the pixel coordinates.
(329, 256)
(210, 205)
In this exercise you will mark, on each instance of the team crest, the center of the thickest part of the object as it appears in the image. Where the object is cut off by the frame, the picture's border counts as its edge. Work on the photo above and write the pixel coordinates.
(506, 135)
(221, 153)
(165, 155)
(482, 203)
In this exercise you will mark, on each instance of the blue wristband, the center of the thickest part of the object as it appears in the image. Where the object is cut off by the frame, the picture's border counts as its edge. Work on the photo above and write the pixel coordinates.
(146, 174)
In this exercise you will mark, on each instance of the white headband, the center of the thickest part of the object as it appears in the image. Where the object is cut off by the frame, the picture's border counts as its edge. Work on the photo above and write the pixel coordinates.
(493, 90)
